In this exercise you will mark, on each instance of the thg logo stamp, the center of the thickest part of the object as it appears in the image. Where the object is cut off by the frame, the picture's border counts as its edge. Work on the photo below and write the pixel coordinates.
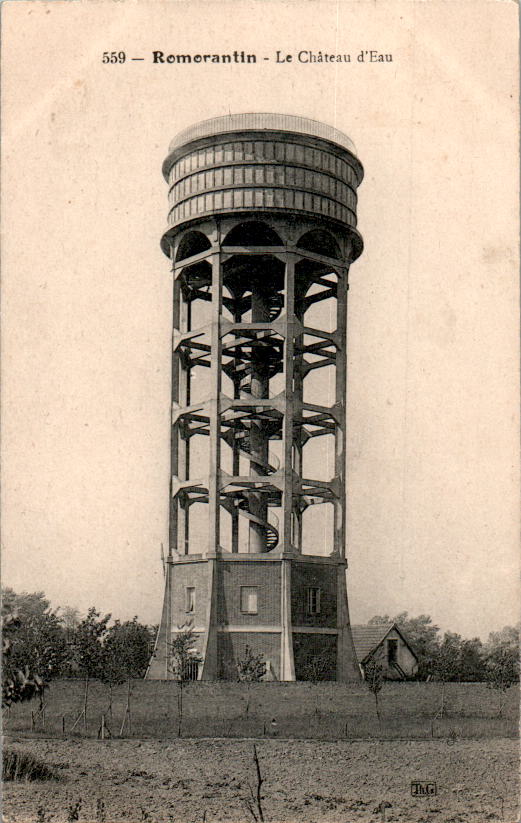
(423, 789)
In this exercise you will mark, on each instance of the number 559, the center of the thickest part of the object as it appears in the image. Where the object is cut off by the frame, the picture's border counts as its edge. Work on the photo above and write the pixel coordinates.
(114, 57)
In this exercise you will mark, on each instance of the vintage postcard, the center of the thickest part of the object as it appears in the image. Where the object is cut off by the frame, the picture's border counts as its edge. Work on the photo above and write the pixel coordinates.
(260, 411)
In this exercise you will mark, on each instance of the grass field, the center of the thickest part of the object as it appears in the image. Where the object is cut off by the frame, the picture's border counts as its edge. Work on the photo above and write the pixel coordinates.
(302, 710)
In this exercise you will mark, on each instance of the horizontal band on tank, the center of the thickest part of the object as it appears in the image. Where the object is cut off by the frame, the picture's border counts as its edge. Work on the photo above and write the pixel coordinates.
(265, 152)
(342, 195)
(263, 175)
(280, 197)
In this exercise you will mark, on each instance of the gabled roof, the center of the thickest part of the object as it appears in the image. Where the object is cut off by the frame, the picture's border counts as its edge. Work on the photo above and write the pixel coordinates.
(368, 637)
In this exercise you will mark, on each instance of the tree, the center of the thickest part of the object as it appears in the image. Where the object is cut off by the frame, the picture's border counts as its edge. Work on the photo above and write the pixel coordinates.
(183, 657)
(250, 669)
(502, 673)
(70, 619)
(502, 662)
(25, 604)
(112, 673)
(374, 678)
(472, 667)
(183, 653)
(446, 665)
(458, 659)
(253, 802)
(508, 636)
(88, 652)
(125, 657)
(18, 685)
(153, 632)
(36, 643)
(40, 643)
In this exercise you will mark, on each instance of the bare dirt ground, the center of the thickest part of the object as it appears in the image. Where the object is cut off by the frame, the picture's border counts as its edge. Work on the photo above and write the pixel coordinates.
(191, 781)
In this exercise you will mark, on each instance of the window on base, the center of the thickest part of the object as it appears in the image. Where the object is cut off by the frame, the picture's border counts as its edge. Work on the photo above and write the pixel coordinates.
(313, 600)
(249, 599)
(190, 599)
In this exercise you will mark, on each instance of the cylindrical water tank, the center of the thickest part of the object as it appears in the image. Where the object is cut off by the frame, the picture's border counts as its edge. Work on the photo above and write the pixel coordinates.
(245, 163)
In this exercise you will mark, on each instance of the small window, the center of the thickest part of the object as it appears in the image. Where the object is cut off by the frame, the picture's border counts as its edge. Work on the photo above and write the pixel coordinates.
(190, 598)
(249, 599)
(313, 604)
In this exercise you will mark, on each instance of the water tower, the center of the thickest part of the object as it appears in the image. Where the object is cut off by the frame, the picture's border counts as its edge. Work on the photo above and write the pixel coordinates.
(262, 231)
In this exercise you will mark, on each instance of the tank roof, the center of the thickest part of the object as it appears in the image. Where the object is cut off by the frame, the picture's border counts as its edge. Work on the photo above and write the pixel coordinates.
(262, 122)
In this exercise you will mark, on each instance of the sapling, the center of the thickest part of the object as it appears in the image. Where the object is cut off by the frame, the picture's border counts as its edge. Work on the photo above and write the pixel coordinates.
(374, 680)
(502, 672)
(183, 656)
(250, 669)
(88, 652)
(253, 803)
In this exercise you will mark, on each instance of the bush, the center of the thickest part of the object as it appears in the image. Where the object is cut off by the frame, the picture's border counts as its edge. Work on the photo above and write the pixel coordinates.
(17, 765)
(251, 668)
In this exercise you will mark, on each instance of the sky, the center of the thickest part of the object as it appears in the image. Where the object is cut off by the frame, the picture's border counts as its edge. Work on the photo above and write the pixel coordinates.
(433, 456)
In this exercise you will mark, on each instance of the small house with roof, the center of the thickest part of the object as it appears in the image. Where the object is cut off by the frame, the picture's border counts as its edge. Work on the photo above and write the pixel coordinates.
(397, 656)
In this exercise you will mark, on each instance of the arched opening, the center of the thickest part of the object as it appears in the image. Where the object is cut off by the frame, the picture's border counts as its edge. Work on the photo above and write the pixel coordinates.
(252, 233)
(320, 241)
(193, 242)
